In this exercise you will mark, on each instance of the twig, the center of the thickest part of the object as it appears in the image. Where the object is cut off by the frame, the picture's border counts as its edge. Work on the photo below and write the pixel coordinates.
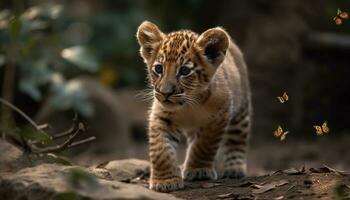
(43, 126)
(31, 146)
(21, 113)
(80, 142)
(65, 133)
(60, 147)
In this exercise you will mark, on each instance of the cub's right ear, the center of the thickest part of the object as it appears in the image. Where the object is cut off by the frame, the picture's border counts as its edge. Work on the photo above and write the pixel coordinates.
(149, 38)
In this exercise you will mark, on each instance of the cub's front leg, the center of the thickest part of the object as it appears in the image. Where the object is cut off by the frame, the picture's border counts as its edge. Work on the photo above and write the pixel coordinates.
(165, 173)
(202, 149)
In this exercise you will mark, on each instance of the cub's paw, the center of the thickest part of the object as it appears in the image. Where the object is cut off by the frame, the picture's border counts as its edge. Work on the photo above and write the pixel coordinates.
(235, 171)
(166, 185)
(191, 174)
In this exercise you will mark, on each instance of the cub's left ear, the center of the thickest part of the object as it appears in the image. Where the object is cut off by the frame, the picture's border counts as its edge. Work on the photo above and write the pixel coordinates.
(213, 44)
(149, 37)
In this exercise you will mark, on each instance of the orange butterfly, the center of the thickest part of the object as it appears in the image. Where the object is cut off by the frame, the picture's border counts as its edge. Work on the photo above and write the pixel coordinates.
(283, 98)
(321, 130)
(340, 16)
(279, 133)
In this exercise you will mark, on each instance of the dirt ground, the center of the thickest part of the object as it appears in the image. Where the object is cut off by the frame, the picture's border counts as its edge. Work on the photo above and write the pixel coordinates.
(265, 155)
(269, 171)
(277, 186)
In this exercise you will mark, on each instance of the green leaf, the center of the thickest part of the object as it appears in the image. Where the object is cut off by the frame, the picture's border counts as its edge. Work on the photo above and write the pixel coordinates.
(15, 27)
(67, 196)
(52, 158)
(40, 136)
(2, 60)
(4, 19)
(81, 57)
(29, 87)
(78, 178)
(70, 95)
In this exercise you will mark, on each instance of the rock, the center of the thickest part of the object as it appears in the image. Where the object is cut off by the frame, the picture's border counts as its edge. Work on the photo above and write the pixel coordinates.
(125, 170)
(48, 181)
(10, 157)
(109, 123)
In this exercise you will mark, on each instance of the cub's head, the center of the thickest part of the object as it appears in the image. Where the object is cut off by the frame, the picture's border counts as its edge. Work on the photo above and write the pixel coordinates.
(181, 64)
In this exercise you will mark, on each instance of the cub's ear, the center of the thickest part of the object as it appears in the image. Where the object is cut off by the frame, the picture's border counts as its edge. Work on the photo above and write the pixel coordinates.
(149, 38)
(213, 44)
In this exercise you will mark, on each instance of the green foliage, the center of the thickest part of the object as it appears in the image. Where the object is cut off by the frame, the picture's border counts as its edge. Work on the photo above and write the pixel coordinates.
(81, 57)
(78, 178)
(67, 196)
(36, 135)
(35, 42)
(341, 191)
(53, 158)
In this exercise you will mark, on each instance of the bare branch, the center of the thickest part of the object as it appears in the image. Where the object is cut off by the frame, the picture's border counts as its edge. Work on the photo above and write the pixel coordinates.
(80, 142)
(20, 112)
(29, 146)
(62, 146)
(44, 126)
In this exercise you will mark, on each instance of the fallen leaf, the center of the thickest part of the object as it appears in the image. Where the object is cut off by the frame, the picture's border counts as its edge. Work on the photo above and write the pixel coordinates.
(223, 196)
(102, 165)
(276, 172)
(209, 185)
(293, 171)
(291, 187)
(326, 169)
(246, 184)
(257, 186)
(270, 186)
(279, 198)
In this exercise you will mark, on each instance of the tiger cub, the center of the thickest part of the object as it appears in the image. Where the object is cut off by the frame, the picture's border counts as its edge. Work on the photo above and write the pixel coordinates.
(201, 89)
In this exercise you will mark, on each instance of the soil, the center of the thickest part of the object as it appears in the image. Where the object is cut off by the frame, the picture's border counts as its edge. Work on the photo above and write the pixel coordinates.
(267, 163)
(276, 186)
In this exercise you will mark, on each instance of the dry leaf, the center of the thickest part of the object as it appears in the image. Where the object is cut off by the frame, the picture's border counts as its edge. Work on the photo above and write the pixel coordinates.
(270, 186)
(326, 169)
(293, 171)
(246, 184)
(256, 186)
(223, 196)
(209, 185)
(279, 198)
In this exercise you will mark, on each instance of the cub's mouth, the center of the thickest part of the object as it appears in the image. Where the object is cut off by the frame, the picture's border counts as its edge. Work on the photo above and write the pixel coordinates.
(169, 101)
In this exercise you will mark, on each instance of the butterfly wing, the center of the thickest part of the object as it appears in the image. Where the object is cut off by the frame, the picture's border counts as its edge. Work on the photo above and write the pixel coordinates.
(325, 127)
(284, 135)
(280, 99)
(338, 21)
(278, 132)
(343, 15)
(285, 96)
(318, 130)
(338, 11)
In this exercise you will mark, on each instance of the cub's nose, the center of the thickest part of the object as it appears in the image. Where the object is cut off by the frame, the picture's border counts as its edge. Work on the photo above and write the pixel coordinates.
(167, 90)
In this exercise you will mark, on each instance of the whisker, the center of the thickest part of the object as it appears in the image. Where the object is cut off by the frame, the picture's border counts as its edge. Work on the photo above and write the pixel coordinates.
(145, 95)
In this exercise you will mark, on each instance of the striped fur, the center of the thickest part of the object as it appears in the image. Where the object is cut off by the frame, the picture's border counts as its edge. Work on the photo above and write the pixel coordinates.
(209, 104)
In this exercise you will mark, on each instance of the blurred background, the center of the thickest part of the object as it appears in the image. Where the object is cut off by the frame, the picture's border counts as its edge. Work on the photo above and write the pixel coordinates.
(57, 57)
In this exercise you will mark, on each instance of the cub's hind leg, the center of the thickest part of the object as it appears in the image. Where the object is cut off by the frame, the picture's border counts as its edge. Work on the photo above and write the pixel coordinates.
(235, 145)
(165, 173)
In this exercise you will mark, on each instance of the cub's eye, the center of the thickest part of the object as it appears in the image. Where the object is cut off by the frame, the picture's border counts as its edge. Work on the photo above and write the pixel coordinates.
(184, 71)
(158, 68)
